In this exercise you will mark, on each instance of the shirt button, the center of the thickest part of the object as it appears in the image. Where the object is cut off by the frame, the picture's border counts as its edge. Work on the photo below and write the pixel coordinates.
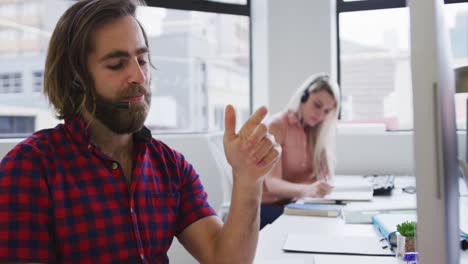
(114, 165)
(142, 257)
(89, 146)
(132, 211)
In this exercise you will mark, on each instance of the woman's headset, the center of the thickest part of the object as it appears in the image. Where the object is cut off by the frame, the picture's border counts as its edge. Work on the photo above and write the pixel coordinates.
(305, 94)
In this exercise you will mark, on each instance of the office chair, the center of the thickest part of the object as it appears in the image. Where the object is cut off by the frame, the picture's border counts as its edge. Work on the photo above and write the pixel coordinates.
(215, 143)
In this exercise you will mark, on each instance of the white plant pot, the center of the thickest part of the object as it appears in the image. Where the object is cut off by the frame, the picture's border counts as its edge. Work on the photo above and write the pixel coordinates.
(405, 244)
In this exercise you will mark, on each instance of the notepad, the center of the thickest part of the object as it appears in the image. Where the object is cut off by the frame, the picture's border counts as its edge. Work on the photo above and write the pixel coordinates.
(344, 259)
(346, 189)
(361, 213)
(327, 210)
(341, 197)
(346, 245)
(280, 261)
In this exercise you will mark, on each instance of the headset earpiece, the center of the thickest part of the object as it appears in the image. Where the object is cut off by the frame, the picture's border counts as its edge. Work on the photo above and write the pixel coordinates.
(76, 83)
(305, 95)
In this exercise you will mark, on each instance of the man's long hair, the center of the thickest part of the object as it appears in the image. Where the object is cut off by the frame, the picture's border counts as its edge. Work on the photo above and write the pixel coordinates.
(68, 84)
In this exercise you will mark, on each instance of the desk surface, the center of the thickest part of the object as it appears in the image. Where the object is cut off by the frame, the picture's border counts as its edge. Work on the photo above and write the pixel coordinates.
(272, 238)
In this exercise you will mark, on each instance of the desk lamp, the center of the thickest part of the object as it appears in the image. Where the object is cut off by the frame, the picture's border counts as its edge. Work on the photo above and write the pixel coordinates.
(461, 86)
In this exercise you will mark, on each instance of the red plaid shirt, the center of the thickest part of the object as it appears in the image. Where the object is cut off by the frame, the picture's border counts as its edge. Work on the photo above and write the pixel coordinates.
(62, 200)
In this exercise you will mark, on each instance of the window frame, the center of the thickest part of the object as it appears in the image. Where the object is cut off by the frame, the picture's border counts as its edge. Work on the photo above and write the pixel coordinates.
(203, 6)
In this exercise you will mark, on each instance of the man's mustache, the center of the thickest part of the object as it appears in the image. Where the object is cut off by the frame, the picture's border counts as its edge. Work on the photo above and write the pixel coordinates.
(135, 90)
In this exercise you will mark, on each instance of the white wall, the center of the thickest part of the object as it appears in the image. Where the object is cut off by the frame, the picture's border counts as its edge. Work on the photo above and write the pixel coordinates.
(291, 41)
(380, 152)
(6, 145)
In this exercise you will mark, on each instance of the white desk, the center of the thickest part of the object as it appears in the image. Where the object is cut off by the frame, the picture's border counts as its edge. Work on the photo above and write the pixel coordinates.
(272, 238)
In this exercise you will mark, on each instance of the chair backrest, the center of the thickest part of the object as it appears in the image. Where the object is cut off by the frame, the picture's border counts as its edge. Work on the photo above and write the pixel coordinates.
(216, 146)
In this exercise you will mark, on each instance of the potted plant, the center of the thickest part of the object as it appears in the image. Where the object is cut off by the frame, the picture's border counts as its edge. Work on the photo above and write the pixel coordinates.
(405, 238)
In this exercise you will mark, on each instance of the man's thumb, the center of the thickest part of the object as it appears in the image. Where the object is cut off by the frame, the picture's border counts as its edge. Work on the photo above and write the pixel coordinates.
(229, 123)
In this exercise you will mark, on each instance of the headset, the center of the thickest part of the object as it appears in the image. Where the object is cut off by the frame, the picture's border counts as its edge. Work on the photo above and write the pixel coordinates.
(305, 94)
(76, 82)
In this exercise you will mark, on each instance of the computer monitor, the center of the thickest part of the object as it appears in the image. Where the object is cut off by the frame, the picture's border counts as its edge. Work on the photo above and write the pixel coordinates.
(435, 142)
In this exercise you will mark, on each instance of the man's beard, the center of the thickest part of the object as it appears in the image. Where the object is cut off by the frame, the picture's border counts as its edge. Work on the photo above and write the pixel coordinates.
(122, 120)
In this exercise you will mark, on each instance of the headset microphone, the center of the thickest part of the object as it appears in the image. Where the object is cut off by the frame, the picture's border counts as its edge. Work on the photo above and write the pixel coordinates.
(123, 105)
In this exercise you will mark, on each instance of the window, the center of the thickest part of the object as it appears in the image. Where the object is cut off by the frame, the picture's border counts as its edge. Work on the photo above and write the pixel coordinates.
(219, 116)
(12, 125)
(242, 2)
(202, 61)
(457, 22)
(375, 67)
(190, 42)
(11, 83)
(374, 60)
(38, 78)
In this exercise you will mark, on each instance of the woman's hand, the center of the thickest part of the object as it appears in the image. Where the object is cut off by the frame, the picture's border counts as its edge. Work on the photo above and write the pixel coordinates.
(318, 189)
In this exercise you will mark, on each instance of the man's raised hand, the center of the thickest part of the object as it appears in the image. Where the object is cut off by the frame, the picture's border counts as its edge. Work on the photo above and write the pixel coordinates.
(252, 151)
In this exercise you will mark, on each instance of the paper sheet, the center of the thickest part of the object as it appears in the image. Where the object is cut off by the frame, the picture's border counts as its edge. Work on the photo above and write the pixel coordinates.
(283, 261)
(347, 188)
(349, 245)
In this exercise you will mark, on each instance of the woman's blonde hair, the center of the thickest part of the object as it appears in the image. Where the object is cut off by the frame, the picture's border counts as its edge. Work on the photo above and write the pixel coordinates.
(68, 84)
(321, 137)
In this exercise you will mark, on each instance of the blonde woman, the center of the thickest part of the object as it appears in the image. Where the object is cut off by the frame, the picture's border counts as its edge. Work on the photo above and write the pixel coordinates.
(306, 132)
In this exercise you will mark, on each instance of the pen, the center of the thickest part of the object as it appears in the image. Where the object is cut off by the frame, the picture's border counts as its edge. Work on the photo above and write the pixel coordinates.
(324, 174)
